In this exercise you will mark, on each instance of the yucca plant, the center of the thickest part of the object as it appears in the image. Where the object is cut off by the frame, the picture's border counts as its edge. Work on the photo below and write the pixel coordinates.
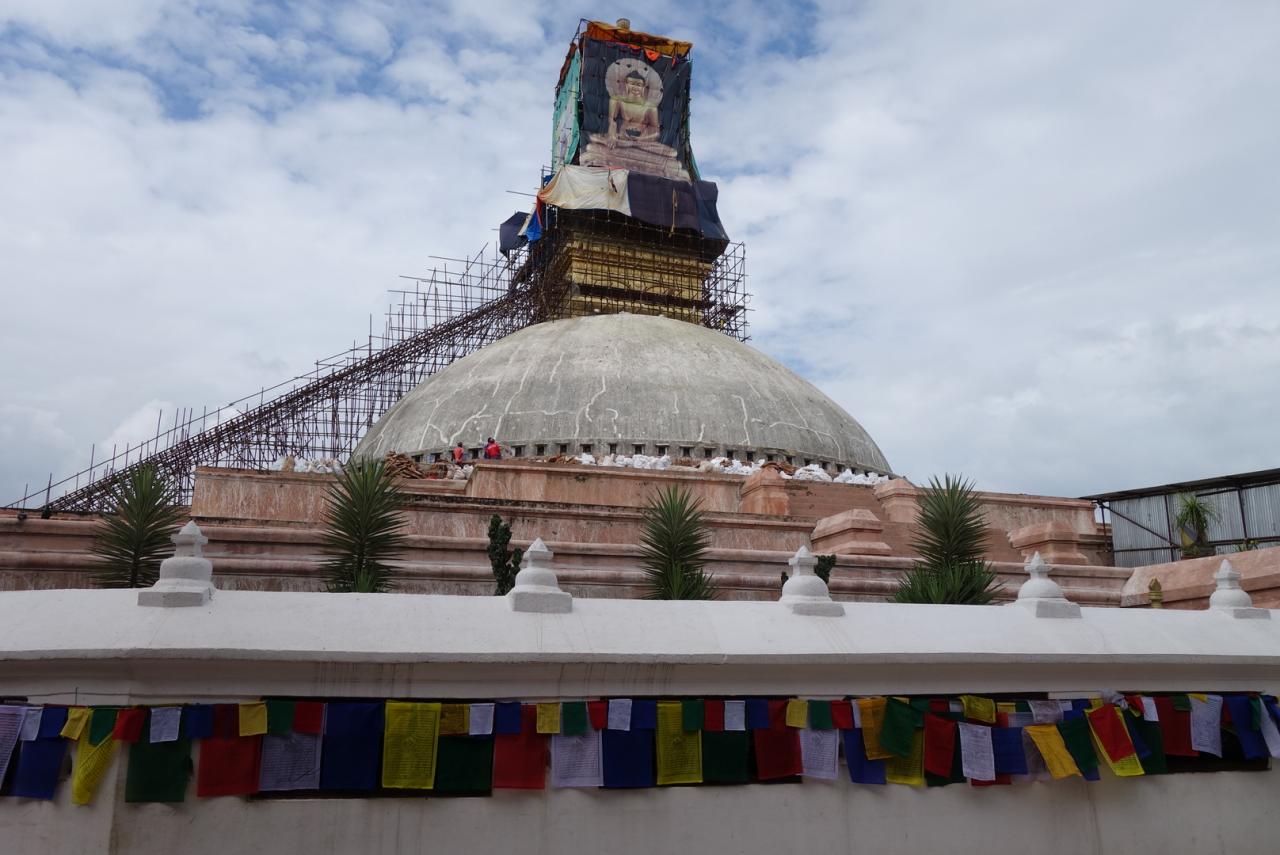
(505, 562)
(134, 538)
(951, 542)
(364, 529)
(674, 540)
(1193, 519)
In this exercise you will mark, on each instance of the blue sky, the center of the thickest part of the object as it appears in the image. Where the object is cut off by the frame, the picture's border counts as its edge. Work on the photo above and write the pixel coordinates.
(1036, 243)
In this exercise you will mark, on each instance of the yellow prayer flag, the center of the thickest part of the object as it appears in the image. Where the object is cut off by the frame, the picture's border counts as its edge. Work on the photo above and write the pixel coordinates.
(1053, 750)
(1125, 767)
(77, 718)
(90, 767)
(549, 718)
(1199, 696)
(1006, 707)
(907, 770)
(979, 709)
(454, 720)
(871, 711)
(679, 750)
(797, 713)
(253, 719)
(409, 744)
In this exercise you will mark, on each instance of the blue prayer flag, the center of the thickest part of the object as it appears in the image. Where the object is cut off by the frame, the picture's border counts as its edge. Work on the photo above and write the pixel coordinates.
(39, 762)
(1135, 736)
(757, 714)
(861, 770)
(506, 717)
(1251, 741)
(351, 754)
(1011, 759)
(52, 721)
(628, 758)
(644, 714)
(199, 719)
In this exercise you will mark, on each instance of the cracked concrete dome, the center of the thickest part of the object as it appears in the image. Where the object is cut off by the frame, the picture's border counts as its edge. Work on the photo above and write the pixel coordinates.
(624, 384)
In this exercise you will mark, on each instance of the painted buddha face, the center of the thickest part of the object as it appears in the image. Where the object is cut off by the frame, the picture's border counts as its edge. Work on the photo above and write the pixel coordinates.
(636, 91)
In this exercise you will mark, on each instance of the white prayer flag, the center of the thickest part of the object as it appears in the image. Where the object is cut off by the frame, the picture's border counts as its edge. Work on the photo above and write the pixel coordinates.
(977, 755)
(955, 706)
(10, 723)
(290, 762)
(735, 715)
(1045, 712)
(819, 751)
(857, 713)
(1149, 709)
(480, 720)
(619, 714)
(1270, 733)
(31, 724)
(1206, 724)
(576, 761)
(164, 723)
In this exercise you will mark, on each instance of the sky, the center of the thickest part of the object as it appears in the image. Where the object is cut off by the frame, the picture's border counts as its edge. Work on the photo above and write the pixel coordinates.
(1035, 243)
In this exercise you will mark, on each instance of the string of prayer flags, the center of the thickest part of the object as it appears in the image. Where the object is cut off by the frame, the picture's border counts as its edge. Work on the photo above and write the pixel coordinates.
(454, 719)
(576, 760)
(480, 720)
(939, 744)
(290, 761)
(598, 714)
(507, 717)
(908, 770)
(158, 771)
(251, 719)
(520, 757)
(627, 757)
(548, 718)
(861, 769)
(1053, 749)
(713, 716)
(77, 718)
(1175, 728)
(871, 712)
(1009, 753)
(899, 727)
(10, 726)
(1206, 724)
(308, 717)
(279, 717)
(1248, 730)
(797, 713)
(620, 714)
(692, 714)
(165, 723)
(979, 709)
(90, 766)
(819, 752)
(409, 745)
(735, 715)
(778, 746)
(352, 749)
(573, 719)
(464, 765)
(679, 753)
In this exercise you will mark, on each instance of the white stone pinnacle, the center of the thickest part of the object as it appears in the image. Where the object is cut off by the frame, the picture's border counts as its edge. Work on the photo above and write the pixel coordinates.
(804, 592)
(536, 588)
(186, 577)
(1041, 595)
(1229, 597)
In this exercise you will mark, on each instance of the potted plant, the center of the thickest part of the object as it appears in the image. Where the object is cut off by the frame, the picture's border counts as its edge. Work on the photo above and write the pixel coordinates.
(1193, 520)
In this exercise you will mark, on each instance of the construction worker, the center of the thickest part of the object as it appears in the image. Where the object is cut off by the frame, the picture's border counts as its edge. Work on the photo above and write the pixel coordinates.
(459, 454)
(492, 451)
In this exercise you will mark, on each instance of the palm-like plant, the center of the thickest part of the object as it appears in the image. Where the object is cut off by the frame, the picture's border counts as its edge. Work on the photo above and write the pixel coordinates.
(364, 529)
(674, 542)
(505, 562)
(134, 538)
(951, 542)
(1193, 519)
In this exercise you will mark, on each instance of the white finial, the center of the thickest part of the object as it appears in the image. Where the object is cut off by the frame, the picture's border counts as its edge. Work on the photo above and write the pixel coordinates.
(186, 578)
(1230, 597)
(804, 593)
(1041, 595)
(536, 588)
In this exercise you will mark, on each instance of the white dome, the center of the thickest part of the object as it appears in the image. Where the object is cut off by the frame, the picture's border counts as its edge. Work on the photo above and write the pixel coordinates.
(624, 383)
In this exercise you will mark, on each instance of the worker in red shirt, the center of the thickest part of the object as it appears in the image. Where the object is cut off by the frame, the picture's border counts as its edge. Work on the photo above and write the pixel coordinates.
(492, 451)
(459, 454)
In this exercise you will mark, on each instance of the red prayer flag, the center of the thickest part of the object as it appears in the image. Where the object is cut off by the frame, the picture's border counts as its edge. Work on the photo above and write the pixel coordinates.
(778, 748)
(713, 716)
(226, 720)
(939, 744)
(939, 705)
(1175, 728)
(129, 724)
(229, 766)
(308, 717)
(598, 713)
(842, 715)
(520, 759)
(1111, 732)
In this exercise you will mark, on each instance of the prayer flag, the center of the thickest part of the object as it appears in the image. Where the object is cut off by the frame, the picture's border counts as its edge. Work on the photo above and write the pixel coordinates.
(979, 709)
(29, 730)
(908, 770)
(573, 720)
(1150, 711)
(1153, 757)
(77, 718)
(549, 718)
(158, 771)
(757, 714)
(627, 756)
(228, 766)
(861, 770)
(977, 755)
(1048, 740)
(252, 719)
(279, 717)
(1108, 728)
(726, 757)
(520, 758)
(620, 714)
(872, 711)
(52, 722)
(644, 714)
(91, 764)
(506, 717)
(1175, 728)
(1045, 712)
(1010, 757)
(598, 714)
(899, 727)
(797, 713)
(820, 717)
(1240, 710)
(454, 719)
(735, 715)
(308, 717)
(1075, 736)
(819, 752)
(713, 716)
(351, 752)
(939, 745)
(128, 726)
(691, 714)
(1206, 724)
(412, 731)
(576, 760)
(166, 722)
(1270, 733)
(842, 715)
(10, 726)
(102, 721)
(480, 720)
(199, 720)
(38, 767)
(679, 753)
(778, 747)
(226, 720)
(290, 761)
(464, 765)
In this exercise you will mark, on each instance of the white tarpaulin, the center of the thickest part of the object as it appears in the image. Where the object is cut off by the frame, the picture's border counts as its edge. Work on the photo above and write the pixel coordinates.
(588, 188)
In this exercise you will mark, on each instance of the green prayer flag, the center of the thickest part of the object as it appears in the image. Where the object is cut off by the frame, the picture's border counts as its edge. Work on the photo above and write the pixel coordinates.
(691, 713)
(1079, 742)
(899, 725)
(1022, 706)
(280, 717)
(101, 723)
(573, 718)
(1149, 731)
(464, 764)
(921, 706)
(1255, 707)
(726, 757)
(820, 715)
(158, 771)
(1181, 703)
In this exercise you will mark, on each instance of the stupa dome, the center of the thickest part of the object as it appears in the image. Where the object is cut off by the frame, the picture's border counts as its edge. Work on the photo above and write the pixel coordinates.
(624, 384)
